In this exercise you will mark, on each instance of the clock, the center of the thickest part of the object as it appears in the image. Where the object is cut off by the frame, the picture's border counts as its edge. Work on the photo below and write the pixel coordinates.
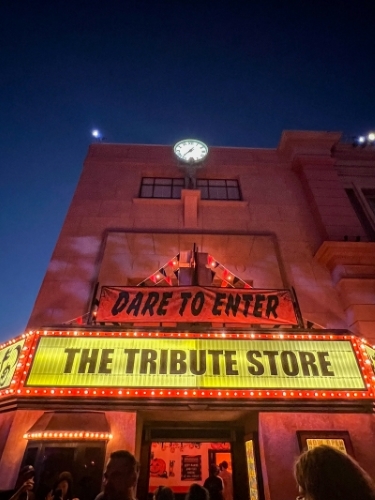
(190, 150)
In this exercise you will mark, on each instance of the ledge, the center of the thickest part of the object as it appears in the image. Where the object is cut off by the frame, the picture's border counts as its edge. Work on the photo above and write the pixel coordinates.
(224, 203)
(334, 253)
(157, 201)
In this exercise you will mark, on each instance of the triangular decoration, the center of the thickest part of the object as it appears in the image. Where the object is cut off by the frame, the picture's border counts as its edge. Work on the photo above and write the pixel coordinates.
(224, 278)
(167, 275)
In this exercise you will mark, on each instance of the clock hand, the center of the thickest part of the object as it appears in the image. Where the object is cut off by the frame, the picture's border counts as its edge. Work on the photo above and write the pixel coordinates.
(190, 150)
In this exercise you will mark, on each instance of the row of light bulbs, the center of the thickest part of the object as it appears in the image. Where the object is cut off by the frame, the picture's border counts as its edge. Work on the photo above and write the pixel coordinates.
(65, 435)
(364, 140)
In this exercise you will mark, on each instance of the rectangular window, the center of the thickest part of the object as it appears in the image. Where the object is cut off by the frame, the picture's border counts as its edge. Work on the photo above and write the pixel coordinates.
(363, 202)
(169, 188)
(369, 195)
(161, 187)
(219, 189)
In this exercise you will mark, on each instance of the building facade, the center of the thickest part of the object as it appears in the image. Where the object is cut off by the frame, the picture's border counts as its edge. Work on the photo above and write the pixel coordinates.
(199, 312)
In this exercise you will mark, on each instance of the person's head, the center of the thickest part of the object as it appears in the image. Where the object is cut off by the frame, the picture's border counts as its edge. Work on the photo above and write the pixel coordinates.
(26, 474)
(163, 493)
(120, 475)
(214, 470)
(325, 473)
(197, 492)
(224, 465)
(64, 484)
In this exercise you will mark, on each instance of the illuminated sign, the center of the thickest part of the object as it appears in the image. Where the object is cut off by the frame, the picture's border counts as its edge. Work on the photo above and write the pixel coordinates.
(195, 363)
(192, 304)
(8, 360)
(371, 354)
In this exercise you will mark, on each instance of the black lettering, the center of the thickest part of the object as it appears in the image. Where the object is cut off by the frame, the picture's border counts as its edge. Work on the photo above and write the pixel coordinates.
(232, 304)
(215, 358)
(164, 303)
(152, 299)
(272, 361)
(272, 303)
(70, 359)
(258, 368)
(198, 298)
(325, 364)
(105, 360)
(178, 362)
(135, 304)
(131, 360)
(163, 369)
(148, 359)
(259, 298)
(247, 297)
(289, 363)
(308, 361)
(216, 311)
(230, 363)
(88, 359)
(185, 297)
(194, 362)
(120, 303)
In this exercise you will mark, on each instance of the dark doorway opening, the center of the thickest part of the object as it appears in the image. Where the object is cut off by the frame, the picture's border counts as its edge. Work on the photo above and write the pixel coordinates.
(84, 460)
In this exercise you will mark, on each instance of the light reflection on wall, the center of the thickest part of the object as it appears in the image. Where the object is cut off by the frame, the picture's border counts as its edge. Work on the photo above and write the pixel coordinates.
(251, 470)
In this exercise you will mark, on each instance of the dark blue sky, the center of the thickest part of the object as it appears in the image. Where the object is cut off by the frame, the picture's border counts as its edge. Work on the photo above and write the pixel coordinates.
(232, 73)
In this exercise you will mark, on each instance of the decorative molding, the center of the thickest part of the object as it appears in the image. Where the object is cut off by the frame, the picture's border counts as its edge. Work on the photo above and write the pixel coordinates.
(341, 253)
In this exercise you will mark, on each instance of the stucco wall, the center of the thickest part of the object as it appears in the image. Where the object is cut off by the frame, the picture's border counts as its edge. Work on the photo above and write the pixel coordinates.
(106, 202)
(279, 445)
(15, 447)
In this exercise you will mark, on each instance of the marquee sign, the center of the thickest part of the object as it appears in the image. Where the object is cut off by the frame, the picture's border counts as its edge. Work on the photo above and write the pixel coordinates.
(196, 304)
(195, 363)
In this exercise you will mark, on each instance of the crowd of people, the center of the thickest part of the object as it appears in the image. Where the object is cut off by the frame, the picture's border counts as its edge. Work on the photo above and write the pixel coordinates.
(323, 473)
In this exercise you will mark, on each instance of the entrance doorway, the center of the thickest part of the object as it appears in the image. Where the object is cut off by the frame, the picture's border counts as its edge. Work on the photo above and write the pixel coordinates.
(180, 464)
(176, 455)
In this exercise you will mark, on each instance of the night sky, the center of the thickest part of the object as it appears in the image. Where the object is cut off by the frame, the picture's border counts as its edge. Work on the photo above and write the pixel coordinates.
(231, 73)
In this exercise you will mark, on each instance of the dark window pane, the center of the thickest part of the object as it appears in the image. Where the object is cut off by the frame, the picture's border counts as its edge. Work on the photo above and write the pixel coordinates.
(160, 187)
(216, 182)
(162, 191)
(202, 182)
(204, 193)
(90, 480)
(233, 193)
(217, 193)
(366, 224)
(147, 180)
(369, 194)
(232, 183)
(163, 182)
(146, 191)
(54, 460)
(176, 193)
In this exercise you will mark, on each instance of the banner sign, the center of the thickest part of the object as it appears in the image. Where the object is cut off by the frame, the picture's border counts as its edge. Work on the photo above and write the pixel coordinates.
(196, 304)
(8, 361)
(195, 363)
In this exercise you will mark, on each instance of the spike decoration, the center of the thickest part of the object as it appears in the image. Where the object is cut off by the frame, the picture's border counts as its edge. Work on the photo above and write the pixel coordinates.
(166, 275)
(18, 388)
(223, 275)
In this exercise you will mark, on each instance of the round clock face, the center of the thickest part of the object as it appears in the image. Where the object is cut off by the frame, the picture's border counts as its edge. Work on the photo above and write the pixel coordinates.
(191, 150)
